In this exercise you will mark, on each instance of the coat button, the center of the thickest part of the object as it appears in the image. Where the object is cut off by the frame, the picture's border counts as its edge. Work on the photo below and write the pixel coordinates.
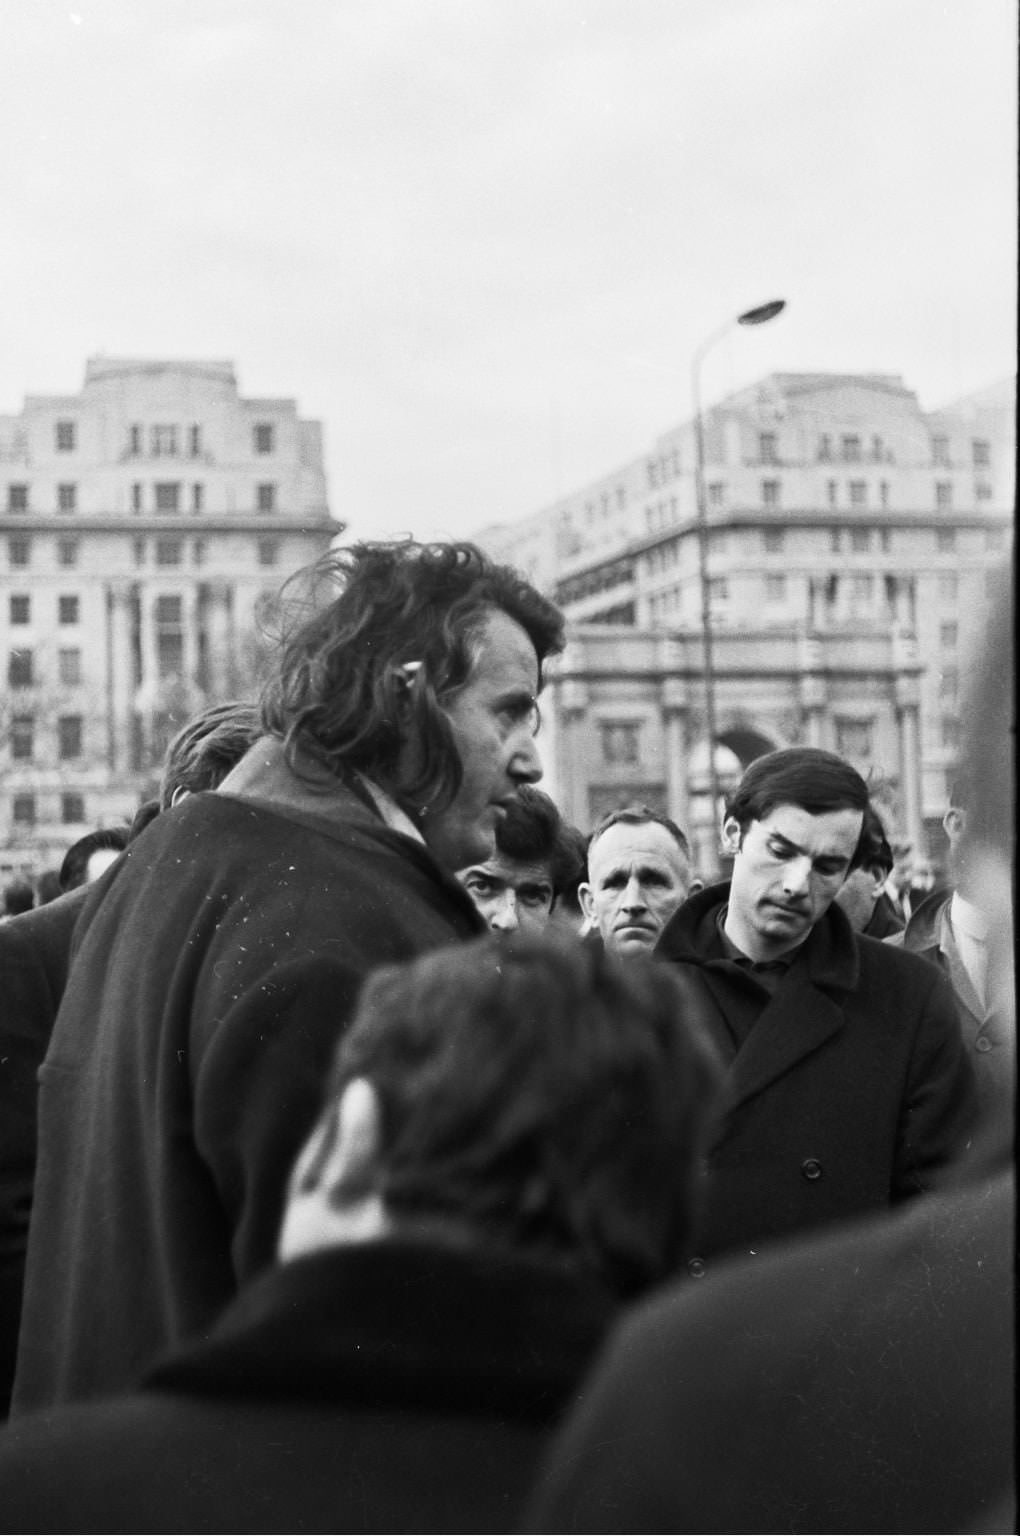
(983, 1043)
(811, 1168)
(696, 1268)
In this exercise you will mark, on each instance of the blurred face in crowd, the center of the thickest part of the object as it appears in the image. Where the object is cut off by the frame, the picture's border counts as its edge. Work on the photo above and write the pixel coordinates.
(858, 895)
(493, 717)
(787, 869)
(511, 895)
(637, 877)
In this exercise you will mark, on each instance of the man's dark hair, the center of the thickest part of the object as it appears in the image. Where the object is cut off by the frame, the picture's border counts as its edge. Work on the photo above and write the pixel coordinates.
(75, 867)
(815, 780)
(873, 850)
(540, 1094)
(18, 897)
(380, 659)
(636, 816)
(572, 868)
(207, 747)
(534, 832)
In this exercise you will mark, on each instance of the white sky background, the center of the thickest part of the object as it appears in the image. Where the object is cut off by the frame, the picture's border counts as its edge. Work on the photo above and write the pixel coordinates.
(481, 239)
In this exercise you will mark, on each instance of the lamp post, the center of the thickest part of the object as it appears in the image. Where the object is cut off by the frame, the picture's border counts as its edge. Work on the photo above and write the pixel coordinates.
(757, 316)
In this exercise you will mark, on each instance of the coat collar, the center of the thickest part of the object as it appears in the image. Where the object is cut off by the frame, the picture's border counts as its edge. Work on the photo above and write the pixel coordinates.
(403, 1322)
(805, 1011)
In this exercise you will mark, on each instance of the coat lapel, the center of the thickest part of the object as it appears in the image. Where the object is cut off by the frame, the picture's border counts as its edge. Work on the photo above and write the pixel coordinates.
(796, 1021)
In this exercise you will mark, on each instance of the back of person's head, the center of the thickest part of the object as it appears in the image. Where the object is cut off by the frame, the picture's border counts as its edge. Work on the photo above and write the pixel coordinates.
(47, 887)
(373, 666)
(532, 1095)
(18, 897)
(873, 850)
(534, 832)
(74, 870)
(206, 748)
(815, 780)
(638, 816)
(569, 871)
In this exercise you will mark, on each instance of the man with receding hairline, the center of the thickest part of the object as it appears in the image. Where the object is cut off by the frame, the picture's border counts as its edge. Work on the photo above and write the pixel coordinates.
(639, 871)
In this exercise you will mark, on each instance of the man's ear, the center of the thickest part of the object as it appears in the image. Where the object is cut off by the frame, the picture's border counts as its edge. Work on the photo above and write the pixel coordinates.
(696, 885)
(584, 896)
(731, 834)
(332, 1195)
(954, 822)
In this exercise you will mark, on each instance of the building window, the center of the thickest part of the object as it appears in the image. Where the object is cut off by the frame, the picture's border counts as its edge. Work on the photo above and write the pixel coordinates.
(861, 589)
(886, 536)
(17, 498)
(825, 448)
(69, 666)
(858, 493)
(982, 453)
(620, 741)
(197, 496)
(139, 547)
(948, 635)
(982, 490)
(860, 540)
(877, 449)
(940, 451)
(67, 498)
(833, 493)
(718, 589)
(716, 493)
(943, 494)
(168, 551)
(67, 551)
(945, 541)
(68, 609)
(168, 496)
(22, 738)
(263, 437)
(949, 588)
(163, 442)
(198, 551)
(134, 440)
(768, 448)
(950, 733)
(23, 810)
(835, 540)
(883, 494)
(19, 551)
(72, 809)
(195, 440)
(853, 739)
(65, 437)
(265, 497)
(136, 496)
(19, 669)
(949, 684)
(770, 493)
(775, 589)
(21, 608)
(995, 539)
(169, 637)
(773, 539)
(269, 551)
(169, 610)
(69, 737)
(851, 449)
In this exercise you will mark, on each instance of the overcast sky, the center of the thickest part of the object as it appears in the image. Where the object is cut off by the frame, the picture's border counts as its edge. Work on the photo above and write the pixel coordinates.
(481, 239)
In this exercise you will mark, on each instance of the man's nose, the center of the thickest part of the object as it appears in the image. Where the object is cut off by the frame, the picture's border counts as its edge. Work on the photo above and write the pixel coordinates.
(525, 763)
(796, 876)
(633, 896)
(504, 917)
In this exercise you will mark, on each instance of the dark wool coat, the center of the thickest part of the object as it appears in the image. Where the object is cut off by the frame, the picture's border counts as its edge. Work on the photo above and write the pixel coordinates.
(35, 952)
(389, 1386)
(852, 1091)
(859, 1381)
(209, 989)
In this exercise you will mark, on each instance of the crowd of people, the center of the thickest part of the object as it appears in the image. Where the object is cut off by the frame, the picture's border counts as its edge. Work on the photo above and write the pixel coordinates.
(380, 1152)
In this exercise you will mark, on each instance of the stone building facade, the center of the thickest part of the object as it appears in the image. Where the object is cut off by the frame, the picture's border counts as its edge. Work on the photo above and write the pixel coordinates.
(142, 521)
(851, 541)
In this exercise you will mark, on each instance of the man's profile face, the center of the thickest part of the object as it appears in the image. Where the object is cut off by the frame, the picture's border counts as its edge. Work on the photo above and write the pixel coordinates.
(512, 895)
(637, 877)
(787, 869)
(493, 719)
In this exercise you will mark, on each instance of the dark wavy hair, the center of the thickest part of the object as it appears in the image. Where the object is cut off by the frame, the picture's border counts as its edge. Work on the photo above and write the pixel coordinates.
(809, 777)
(873, 850)
(339, 692)
(534, 832)
(207, 747)
(539, 1094)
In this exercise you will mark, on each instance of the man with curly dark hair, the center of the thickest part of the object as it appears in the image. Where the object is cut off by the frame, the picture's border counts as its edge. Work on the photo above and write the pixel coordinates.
(213, 980)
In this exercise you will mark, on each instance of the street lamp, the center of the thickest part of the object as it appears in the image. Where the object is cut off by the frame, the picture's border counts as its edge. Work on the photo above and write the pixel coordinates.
(757, 316)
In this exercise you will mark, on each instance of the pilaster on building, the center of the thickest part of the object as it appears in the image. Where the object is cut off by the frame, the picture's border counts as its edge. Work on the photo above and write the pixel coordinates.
(143, 521)
(852, 542)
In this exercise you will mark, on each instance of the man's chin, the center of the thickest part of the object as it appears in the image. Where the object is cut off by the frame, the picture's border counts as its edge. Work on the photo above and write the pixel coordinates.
(633, 941)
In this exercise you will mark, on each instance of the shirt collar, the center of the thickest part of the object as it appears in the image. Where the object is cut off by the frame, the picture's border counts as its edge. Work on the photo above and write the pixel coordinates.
(396, 819)
(968, 919)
